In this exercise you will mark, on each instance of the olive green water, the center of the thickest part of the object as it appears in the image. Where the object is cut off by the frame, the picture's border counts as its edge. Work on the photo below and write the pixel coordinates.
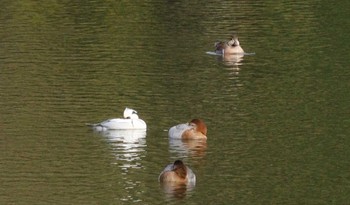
(278, 121)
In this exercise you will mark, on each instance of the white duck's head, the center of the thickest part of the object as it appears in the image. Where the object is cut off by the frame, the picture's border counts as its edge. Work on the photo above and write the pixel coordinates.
(130, 114)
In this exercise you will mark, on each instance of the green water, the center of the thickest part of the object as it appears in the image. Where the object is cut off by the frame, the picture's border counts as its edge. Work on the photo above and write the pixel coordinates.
(278, 121)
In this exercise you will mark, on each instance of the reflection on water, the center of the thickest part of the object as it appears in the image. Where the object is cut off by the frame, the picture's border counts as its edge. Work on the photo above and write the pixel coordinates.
(187, 148)
(176, 190)
(128, 146)
(63, 64)
(232, 60)
(232, 63)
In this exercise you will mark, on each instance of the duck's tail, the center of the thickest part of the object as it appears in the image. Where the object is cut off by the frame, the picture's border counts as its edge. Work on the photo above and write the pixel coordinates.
(96, 127)
(91, 125)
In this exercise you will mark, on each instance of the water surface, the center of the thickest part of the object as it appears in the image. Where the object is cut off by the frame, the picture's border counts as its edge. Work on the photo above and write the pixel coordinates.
(278, 121)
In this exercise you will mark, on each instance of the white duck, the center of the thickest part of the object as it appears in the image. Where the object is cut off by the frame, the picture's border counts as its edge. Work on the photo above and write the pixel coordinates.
(130, 121)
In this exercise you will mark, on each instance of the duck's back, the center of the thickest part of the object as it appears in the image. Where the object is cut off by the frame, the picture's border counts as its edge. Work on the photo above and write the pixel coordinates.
(234, 50)
(191, 177)
(170, 176)
(176, 132)
(118, 123)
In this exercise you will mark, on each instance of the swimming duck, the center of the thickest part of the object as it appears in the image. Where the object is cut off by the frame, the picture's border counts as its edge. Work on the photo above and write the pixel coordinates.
(230, 47)
(195, 129)
(129, 122)
(177, 172)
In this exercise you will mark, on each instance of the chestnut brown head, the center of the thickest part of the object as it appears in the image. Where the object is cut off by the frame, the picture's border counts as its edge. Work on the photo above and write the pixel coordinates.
(200, 126)
(180, 169)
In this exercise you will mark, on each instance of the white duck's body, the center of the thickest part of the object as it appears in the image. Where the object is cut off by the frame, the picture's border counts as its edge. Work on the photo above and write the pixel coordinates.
(130, 121)
(121, 124)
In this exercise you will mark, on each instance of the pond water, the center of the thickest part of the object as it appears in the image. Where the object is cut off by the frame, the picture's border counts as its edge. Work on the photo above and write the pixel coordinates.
(278, 119)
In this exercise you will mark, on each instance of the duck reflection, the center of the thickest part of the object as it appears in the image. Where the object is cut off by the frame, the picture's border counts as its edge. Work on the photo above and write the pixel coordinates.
(176, 190)
(128, 146)
(188, 148)
(232, 60)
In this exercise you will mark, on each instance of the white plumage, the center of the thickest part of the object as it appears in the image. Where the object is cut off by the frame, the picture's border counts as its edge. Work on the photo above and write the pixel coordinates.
(130, 121)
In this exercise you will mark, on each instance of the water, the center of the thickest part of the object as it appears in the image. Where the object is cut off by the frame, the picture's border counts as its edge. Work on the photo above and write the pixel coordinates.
(278, 121)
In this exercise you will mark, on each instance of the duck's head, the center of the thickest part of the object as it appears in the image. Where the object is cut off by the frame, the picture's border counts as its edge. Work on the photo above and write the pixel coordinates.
(234, 40)
(200, 126)
(130, 114)
(180, 169)
(219, 45)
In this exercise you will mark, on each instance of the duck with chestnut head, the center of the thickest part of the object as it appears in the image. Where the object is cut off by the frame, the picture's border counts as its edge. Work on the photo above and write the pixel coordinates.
(177, 172)
(195, 129)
